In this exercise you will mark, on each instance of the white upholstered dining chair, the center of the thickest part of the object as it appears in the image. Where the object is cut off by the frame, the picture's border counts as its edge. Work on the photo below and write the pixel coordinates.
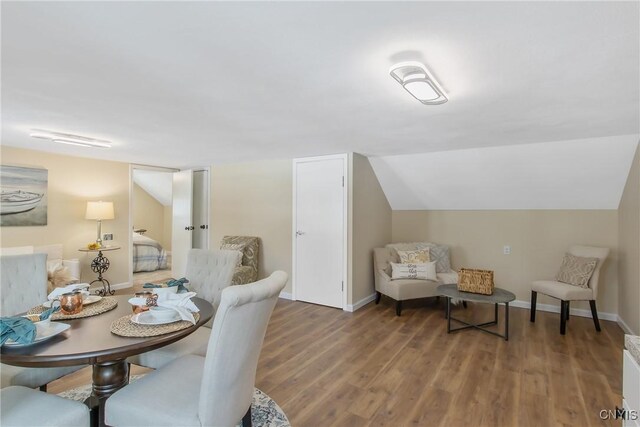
(567, 293)
(23, 285)
(209, 272)
(215, 390)
(24, 407)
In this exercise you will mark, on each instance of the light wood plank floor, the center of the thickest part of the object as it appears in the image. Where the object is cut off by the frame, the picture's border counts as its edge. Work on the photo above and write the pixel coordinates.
(326, 367)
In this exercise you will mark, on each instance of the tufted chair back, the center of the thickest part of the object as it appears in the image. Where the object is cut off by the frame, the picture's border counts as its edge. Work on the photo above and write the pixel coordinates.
(23, 282)
(210, 271)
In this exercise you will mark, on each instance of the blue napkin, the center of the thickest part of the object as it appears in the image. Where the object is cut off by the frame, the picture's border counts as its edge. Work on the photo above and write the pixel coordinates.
(48, 313)
(19, 329)
(173, 282)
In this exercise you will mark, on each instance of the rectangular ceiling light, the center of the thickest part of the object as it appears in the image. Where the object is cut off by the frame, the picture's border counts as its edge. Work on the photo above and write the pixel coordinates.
(69, 139)
(418, 81)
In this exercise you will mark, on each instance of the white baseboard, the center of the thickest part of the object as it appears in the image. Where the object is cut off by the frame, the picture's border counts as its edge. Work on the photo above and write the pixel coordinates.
(359, 304)
(623, 325)
(286, 295)
(556, 309)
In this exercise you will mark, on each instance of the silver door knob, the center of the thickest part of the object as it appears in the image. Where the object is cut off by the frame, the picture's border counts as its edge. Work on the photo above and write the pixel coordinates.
(299, 233)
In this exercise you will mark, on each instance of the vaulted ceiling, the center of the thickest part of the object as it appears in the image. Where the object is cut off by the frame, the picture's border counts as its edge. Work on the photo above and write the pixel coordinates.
(196, 83)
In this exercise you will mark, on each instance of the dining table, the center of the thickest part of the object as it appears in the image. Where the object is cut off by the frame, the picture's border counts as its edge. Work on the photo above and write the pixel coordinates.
(89, 341)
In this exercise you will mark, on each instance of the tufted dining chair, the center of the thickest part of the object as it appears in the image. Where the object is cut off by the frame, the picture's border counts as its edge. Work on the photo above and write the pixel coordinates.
(23, 285)
(216, 390)
(567, 293)
(209, 273)
(23, 407)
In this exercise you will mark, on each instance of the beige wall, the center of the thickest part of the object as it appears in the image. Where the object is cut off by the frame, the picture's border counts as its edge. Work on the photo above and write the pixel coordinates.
(167, 229)
(149, 214)
(255, 199)
(72, 182)
(371, 226)
(629, 249)
(538, 240)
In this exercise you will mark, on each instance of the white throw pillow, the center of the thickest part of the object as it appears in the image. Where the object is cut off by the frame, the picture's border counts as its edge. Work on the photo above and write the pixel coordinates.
(235, 247)
(425, 271)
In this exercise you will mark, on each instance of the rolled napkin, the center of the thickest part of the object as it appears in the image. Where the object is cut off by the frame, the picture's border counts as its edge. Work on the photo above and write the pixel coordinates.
(19, 329)
(83, 287)
(180, 283)
(181, 303)
(49, 312)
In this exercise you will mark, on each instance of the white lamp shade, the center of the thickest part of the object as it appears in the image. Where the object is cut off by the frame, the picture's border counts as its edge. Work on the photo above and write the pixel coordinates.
(100, 210)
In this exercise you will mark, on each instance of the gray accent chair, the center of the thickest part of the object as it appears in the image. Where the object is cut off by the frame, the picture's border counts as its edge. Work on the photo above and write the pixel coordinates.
(567, 293)
(247, 272)
(216, 390)
(23, 285)
(24, 407)
(209, 273)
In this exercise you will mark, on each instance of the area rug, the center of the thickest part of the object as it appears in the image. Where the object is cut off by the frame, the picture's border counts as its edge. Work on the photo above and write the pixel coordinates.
(265, 412)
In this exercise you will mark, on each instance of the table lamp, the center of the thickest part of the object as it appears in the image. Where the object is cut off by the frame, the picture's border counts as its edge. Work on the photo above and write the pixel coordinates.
(99, 211)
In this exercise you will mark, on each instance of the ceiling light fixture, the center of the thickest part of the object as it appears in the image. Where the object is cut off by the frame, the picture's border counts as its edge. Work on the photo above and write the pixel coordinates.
(69, 139)
(418, 81)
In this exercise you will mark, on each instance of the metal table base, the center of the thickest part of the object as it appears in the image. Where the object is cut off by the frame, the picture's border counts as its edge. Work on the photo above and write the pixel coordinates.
(480, 326)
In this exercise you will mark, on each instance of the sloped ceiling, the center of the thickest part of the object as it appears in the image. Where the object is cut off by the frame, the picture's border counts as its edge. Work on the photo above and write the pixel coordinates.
(578, 174)
(158, 184)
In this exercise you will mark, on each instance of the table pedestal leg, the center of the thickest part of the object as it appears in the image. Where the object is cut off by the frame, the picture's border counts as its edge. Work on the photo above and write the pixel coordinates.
(108, 377)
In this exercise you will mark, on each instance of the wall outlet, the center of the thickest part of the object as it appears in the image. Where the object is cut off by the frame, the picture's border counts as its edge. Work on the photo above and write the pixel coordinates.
(506, 250)
(108, 236)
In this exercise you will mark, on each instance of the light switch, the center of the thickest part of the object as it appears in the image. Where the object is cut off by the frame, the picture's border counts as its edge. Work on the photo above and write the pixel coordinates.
(507, 250)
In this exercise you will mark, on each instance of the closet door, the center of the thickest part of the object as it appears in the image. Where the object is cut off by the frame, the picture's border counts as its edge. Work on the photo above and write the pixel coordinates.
(182, 229)
(319, 241)
(201, 209)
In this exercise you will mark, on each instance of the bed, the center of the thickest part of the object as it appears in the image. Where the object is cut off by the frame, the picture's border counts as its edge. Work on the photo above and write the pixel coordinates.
(148, 254)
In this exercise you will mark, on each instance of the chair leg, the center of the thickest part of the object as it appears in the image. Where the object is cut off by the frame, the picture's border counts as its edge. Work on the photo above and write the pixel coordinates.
(398, 308)
(594, 313)
(464, 304)
(568, 310)
(43, 388)
(246, 420)
(563, 317)
(534, 299)
(378, 296)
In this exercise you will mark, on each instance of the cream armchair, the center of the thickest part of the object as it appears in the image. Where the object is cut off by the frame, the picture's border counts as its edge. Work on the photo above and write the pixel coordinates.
(248, 271)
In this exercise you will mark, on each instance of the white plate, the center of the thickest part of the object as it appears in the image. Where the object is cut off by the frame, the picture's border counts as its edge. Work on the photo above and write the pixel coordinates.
(43, 332)
(146, 318)
(88, 300)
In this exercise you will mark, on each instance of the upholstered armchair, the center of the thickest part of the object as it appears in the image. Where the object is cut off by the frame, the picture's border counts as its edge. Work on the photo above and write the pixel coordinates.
(250, 247)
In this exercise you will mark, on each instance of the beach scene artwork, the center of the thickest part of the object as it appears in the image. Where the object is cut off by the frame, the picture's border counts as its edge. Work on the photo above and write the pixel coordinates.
(24, 196)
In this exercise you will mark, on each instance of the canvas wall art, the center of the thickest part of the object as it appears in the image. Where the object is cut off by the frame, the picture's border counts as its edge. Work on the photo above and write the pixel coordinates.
(24, 196)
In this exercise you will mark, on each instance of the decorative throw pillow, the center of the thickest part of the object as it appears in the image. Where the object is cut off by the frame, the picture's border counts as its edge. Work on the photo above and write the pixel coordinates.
(439, 254)
(59, 277)
(234, 247)
(420, 256)
(576, 270)
(426, 271)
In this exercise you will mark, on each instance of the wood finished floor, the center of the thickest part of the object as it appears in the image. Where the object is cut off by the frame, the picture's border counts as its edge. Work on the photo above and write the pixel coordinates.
(326, 367)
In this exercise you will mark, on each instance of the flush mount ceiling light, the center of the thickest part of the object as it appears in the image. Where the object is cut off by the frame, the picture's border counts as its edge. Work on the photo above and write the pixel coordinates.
(418, 81)
(69, 139)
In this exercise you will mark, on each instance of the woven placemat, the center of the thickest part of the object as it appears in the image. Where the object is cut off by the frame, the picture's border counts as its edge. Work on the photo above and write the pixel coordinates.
(102, 306)
(126, 328)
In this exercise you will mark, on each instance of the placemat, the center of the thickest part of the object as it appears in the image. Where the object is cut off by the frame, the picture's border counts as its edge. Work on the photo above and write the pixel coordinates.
(102, 306)
(126, 328)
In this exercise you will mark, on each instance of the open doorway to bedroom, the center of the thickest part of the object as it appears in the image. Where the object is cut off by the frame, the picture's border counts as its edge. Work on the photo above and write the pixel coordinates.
(151, 223)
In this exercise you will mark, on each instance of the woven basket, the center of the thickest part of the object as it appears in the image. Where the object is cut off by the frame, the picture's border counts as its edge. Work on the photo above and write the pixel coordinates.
(476, 281)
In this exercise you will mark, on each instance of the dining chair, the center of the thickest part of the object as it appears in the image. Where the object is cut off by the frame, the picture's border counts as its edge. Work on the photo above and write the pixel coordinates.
(23, 285)
(209, 272)
(567, 293)
(24, 407)
(216, 390)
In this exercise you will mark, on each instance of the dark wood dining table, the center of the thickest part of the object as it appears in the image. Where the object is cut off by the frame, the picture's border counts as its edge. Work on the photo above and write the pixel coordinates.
(89, 341)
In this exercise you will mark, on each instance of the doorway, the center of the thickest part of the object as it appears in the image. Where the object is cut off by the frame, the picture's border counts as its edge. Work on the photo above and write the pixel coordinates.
(320, 230)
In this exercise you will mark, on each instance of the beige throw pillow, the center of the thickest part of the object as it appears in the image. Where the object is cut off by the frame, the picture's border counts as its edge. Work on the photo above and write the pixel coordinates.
(424, 271)
(420, 256)
(234, 247)
(576, 270)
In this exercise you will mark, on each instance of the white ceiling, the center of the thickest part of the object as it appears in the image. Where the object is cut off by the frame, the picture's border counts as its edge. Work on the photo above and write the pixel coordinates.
(196, 83)
(158, 185)
(579, 174)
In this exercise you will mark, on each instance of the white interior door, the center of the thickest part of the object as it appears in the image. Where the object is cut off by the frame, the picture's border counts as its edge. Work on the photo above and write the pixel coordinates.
(201, 209)
(182, 228)
(319, 229)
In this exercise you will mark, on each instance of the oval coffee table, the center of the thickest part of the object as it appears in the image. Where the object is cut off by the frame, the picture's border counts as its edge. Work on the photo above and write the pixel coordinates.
(499, 296)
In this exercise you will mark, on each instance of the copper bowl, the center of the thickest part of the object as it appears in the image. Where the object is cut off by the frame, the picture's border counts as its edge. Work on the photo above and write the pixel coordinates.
(71, 302)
